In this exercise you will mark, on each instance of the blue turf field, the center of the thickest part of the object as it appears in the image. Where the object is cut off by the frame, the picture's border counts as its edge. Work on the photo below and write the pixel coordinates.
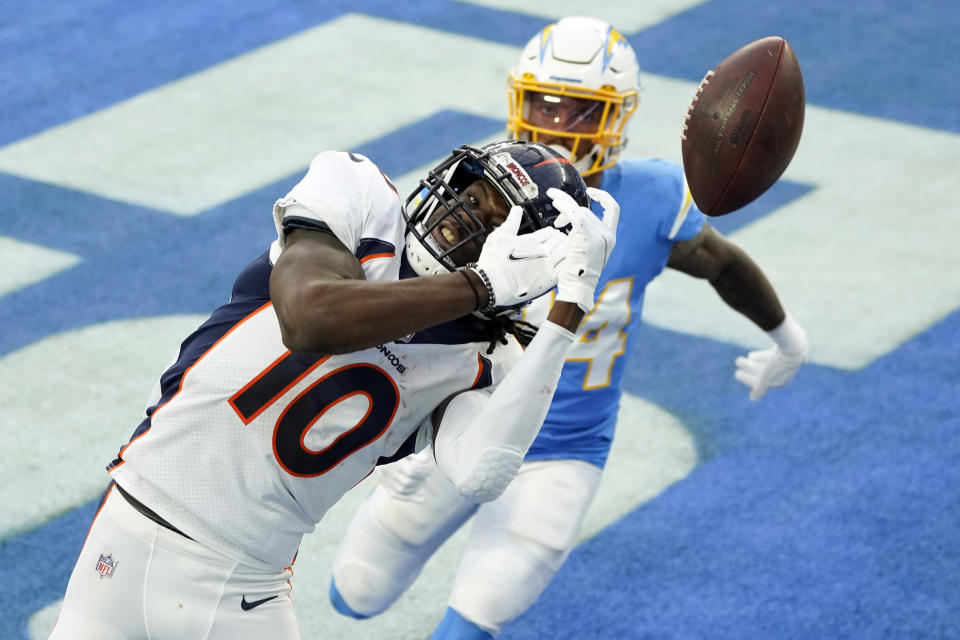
(829, 510)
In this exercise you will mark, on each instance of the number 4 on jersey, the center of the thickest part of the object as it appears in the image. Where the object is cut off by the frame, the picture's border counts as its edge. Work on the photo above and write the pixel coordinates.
(602, 336)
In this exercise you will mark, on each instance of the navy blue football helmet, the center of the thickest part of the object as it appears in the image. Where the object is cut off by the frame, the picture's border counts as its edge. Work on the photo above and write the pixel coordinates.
(441, 227)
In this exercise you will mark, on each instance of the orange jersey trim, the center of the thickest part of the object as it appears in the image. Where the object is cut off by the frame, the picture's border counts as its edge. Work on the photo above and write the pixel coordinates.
(377, 255)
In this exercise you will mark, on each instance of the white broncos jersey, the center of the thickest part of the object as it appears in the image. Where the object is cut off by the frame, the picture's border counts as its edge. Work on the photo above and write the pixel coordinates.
(245, 445)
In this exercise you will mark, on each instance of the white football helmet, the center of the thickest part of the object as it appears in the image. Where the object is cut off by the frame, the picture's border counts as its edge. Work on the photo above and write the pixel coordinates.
(575, 87)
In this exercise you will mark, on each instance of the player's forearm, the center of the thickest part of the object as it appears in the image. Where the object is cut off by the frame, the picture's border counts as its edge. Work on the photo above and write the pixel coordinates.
(566, 315)
(743, 287)
(342, 316)
(482, 439)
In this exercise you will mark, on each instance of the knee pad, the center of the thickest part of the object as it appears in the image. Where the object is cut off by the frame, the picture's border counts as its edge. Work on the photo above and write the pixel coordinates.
(549, 502)
(371, 569)
(498, 585)
(520, 540)
(387, 544)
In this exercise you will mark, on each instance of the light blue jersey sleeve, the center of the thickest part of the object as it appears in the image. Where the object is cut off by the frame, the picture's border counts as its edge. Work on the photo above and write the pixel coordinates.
(656, 211)
(688, 221)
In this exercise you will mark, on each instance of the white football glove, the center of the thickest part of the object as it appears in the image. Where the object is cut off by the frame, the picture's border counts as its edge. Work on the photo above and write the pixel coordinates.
(404, 477)
(776, 366)
(518, 268)
(590, 243)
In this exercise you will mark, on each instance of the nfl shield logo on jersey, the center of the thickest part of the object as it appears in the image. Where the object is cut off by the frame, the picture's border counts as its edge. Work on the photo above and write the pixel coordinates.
(106, 566)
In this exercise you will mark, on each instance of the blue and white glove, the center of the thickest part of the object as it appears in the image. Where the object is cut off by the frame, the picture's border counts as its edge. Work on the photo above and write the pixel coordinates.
(518, 268)
(590, 243)
(776, 366)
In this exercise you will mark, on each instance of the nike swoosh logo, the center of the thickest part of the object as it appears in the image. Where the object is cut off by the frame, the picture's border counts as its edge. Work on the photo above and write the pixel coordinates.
(246, 606)
(511, 256)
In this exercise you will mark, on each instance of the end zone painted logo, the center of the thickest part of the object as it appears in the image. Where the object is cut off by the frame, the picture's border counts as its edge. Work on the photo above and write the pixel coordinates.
(208, 214)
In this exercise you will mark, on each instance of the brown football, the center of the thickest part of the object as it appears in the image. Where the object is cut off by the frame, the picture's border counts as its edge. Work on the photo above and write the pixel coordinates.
(743, 125)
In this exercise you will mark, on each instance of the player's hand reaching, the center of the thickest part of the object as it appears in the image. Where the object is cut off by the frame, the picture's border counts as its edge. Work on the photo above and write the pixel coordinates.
(776, 366)
(403, 478)
(519, 268)
(590, 242)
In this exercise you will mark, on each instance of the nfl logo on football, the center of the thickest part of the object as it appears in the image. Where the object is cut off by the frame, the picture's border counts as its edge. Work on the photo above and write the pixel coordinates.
(106, 566)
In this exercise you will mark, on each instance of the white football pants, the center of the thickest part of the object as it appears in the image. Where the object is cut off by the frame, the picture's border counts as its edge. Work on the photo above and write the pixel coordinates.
(517, 544)
(136, 580)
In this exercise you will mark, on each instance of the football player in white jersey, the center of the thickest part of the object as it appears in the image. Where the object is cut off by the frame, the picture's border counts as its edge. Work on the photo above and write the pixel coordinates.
(369, 329)
(574, 87)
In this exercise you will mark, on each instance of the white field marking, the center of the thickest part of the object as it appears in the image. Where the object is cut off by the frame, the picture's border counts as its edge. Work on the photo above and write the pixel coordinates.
(625, 15)
(257, 118)
(813, 250)
(24, 263)
(652, 450)
(858, 261)
(69, 403)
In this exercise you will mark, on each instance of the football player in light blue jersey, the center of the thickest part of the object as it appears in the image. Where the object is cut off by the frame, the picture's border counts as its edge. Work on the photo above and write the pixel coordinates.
(574, 88)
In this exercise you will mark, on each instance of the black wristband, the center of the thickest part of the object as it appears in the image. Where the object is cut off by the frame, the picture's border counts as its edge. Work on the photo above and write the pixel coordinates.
(473, 287)
(491, 299)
